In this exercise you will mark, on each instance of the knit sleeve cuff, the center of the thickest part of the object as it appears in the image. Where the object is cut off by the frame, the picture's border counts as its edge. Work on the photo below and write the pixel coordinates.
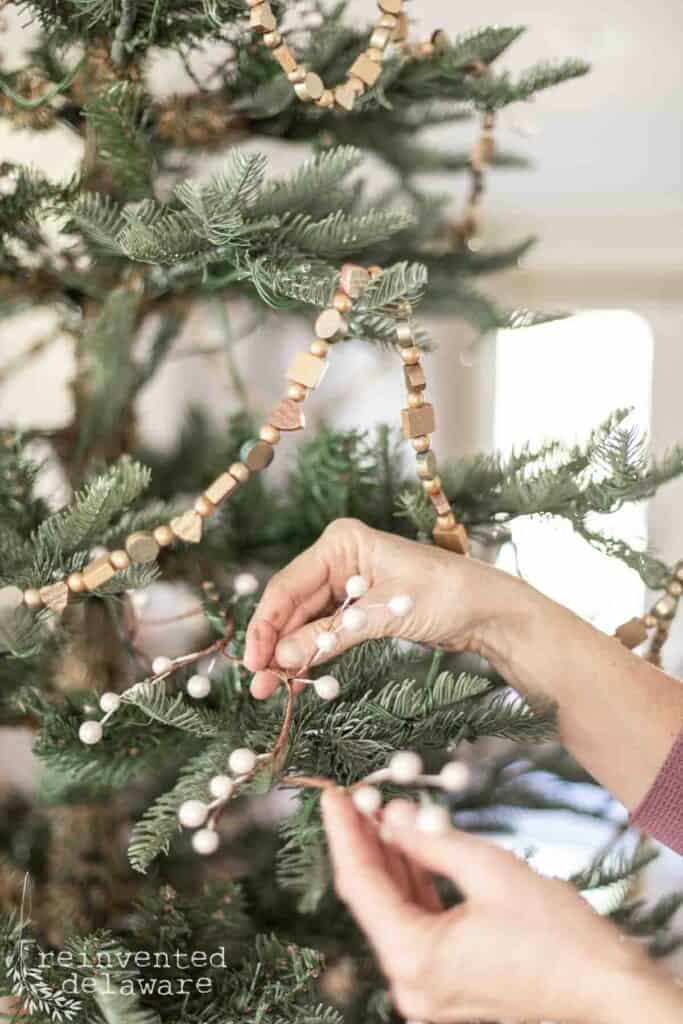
(661, 812)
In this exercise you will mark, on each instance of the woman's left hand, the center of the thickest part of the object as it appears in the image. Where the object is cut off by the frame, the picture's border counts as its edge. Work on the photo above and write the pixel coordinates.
(519, 947)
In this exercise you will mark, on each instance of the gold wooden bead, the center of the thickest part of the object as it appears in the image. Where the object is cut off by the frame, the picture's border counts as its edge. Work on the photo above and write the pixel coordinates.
(421, 444)
(98, 572)
(76, 583)
(331, 325)
(297, 76)
(389, 21)
(262, 19)
(415, 377)
(375, 54)
(353, 279)
(632, 633)
(297, 392)
(356, 84)
(55, 596)
(405, 335)
(257, 455)
(204, 506)
(188, 526)
(379, 39)
(221, 488)
(240, 472)
(391, 6)
(441, 503)
(285, 58)
(665, 607)
(319, 348)
(410, 355)
(415, 399)
(327, 98)
(307, 370)
(142, 547)
(311, 88)
(272, 40)
(269, 433)
(417, 422)
(400, 33)
(163, 535)
(454, 538)
(446, 521)
(432, 486)
(365, 68)
(120, 560)
(32, 599)
(374, 271)
(287, 416)
(426, 465)
(675, 588)
(650, 621)
(341, 302)
(345, 97)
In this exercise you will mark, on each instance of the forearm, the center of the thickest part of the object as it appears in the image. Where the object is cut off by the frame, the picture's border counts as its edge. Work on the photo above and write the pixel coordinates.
(618, 714)
(650, 995)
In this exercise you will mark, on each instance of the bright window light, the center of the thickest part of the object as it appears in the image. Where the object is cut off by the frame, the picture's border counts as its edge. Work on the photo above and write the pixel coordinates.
(560, 380)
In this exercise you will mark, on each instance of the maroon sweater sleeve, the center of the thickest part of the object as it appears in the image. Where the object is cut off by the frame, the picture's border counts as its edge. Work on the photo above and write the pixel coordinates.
(661, 812)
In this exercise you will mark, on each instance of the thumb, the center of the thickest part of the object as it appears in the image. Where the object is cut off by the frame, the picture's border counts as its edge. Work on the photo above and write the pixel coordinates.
(478, 867)
(321, 639)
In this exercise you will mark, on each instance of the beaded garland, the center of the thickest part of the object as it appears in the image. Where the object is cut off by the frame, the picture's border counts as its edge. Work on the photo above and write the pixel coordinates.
(305, 373)
(659, 618)
(391, 27)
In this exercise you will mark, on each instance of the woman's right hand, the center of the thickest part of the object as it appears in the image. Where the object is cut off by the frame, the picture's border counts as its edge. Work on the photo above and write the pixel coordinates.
(455, 599)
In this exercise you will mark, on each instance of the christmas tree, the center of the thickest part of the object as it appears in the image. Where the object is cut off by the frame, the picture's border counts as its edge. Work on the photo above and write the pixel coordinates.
(108, 909)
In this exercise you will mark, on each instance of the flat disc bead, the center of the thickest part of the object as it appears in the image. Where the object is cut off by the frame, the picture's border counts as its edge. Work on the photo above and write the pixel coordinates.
(330, 325)
(256, 455)
(142, 547)
(391, 6)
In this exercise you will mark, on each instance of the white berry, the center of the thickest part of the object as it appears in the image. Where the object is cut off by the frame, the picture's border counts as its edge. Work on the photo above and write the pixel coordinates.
(245, 584)
(356, 586)
(90, 732)
(205, 841)
(405, 767)
(327, 687)
(326, 642)
(242, 761)
(432, 820)
(454, 776)
(198, 687)
(355, 619)
(161, 664)
(109, 702)
(192, 813)
(221, 786)
(367, 799)
(401, 604)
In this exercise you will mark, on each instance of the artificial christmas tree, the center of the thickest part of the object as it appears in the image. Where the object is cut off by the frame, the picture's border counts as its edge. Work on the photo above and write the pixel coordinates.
(125, 921)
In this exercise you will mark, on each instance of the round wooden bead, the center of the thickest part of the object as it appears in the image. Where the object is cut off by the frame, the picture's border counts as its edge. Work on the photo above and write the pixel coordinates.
(32, 599)
(432, 486)
(297, 392)
(269, 433)
(327, 99)
(76, 583)
(632, 633)
(297, 75)
(142, 547)
(410, 355)
(240, 472)
(272, 40)
(426, 465)
(665, 607)
(675, 588)
(164, 535)
(310, 88)
(342, 302)
(119, 560)
(256, 455)
(416, 399)
(330, 325)
(204, 506)
(650, 621)
(319, 348)
(422, 443)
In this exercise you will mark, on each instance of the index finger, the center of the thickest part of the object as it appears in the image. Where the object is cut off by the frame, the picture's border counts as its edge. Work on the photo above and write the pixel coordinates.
(362, 879)
(286, 591)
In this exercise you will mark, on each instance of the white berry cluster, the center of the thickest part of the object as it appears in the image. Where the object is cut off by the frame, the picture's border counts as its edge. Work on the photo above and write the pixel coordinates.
(194, 813)
(406, 769)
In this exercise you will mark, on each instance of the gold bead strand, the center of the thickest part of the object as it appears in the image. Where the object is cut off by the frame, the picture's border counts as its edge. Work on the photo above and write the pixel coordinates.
(418, 423)
(659, 618)
(469, 226)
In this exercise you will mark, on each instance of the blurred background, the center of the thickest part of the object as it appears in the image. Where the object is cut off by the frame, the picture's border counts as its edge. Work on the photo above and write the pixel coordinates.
(603, 196)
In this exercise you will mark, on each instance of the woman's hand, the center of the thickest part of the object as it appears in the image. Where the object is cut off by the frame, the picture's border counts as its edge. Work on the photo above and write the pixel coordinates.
(519, 947)
(453, 598)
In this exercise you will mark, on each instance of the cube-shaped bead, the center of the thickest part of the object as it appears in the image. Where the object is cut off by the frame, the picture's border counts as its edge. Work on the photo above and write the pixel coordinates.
(455, 539)
(418, 421)
(55, 596)
(262, 18)
(285, 58)
(345, 97)
(365, 69)
(307, 369)
(415, 377)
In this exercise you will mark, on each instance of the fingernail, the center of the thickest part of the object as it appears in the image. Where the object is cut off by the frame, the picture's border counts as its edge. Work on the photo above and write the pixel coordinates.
(289, 654)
